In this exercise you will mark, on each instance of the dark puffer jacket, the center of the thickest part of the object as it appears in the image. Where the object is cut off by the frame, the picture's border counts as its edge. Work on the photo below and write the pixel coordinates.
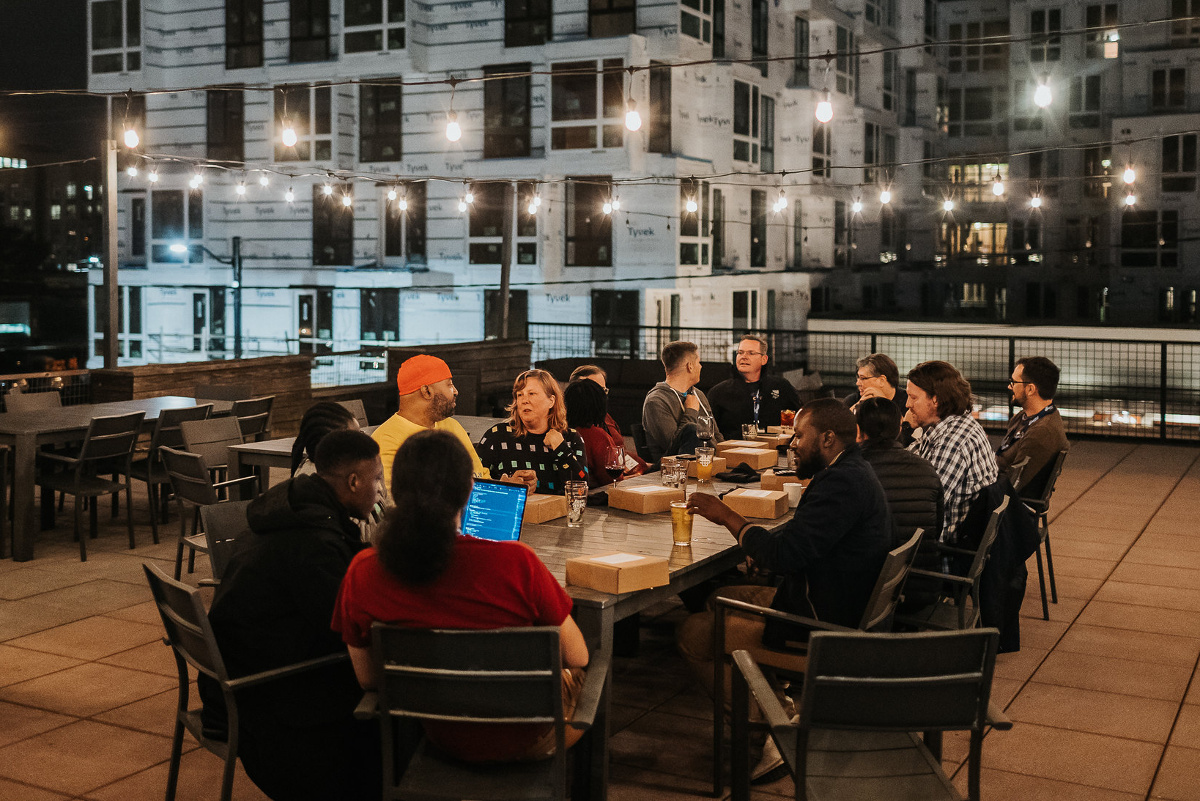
(914, 495)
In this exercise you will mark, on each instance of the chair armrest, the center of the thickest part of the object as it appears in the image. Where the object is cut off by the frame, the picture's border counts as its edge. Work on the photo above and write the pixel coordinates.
(931, 574)
(761, 691)
(950, 549)
(368, 707)
(287, 670)
(997, 719)
(58, 457)
(230, 482)
(208, 582)
(762, 611)
(593, 688)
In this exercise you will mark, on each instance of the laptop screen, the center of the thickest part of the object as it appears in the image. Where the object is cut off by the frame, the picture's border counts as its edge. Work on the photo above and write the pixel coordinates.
(494, 511)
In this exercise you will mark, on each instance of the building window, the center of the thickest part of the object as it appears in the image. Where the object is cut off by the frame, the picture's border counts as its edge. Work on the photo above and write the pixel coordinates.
(759, 21)
(745, 311)
(243, 34)
(487, 221)
(695, 19)
(379, 315)
(973, 182)
(846, 63)
(767, 160)
(1168, 89)
(718, 228)
(978, 111)
(658, 139)
(506, 114)
(800, 53)
(528, 22)
(332, 226)
(881, 13)
(798, 236)
(1045, 41)
(879, 149)
(1102, 38)
(56, 211)
(1150, 238)
(822, 150)
(1185, 25)
(404, 229)
(129, 320)
(116, 35)
(758, 228)
(693, 225)
(1097, 171)
(137, 230)
(745, 122)
(611, 18)
(891, 73)
(226, 124)
(587, 105)
(380, 122)
(308, 30)
(968, 52)
(718, 41)
(1085, 102)
(1044, 172)
(1179, 163)
(176, 218)
(589, 229)
(307, 109)
(931, 24)
(373, 26)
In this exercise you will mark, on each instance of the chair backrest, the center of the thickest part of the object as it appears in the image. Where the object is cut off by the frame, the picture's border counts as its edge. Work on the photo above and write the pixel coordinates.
(1049, 475)
(32, 401)
(986, 542)
(188, 629)
(890, 583)
(211, 438)
(190, 480)
(927, 681)
(254, 417)
(167, 432)
(355, 407)
(111, 437)
(639, 442)
(229, 392)
(223, 524)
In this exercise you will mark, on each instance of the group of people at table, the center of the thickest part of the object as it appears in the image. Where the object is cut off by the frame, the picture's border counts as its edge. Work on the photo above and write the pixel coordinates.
(322, 563)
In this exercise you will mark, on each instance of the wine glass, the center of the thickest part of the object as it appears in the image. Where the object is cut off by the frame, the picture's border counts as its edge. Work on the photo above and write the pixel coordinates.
(704, 428)
(614, 461)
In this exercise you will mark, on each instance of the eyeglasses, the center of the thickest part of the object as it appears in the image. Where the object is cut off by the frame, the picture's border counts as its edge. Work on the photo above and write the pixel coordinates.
(749, 353)
(1013, 383)
(862, 377)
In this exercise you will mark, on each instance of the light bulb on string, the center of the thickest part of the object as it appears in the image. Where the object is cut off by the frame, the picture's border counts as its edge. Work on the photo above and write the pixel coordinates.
(391, 194)
(462, 206)
(1042, 96)
(885, 197)
(633, 120)
(533, 207)
(616, 203)
(1129, 176)
(152, 177)
(131, 171)
(402, 204)
(240, 189)
(347, 200)
(691, 205)
(607, 207)
(948, 205)
(468, 197)
(327, 190)
(1035, 202)
(825, 109)
(856, 207)
(1130, 199)
(289, 195)
(453, 129)
(289, 137)
(263, 180)
(782, 202)
(997, 187)
(132, 139)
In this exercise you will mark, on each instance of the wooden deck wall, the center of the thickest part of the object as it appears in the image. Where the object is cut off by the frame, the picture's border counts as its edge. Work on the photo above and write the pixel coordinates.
(491, 366)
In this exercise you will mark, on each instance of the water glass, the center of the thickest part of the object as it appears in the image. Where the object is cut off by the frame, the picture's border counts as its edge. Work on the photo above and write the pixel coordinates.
(577, 494)
(749, 431)
(669, 471)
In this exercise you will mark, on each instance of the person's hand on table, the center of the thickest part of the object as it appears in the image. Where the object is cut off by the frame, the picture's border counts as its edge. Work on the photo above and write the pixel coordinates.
(526, 477)
(712, 508)
(553, 439)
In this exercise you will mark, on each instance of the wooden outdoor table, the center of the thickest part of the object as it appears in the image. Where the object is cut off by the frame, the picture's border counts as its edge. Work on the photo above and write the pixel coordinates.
(27, 432)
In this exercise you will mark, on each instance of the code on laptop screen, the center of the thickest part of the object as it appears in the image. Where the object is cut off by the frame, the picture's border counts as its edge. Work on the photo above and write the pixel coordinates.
(494, 511)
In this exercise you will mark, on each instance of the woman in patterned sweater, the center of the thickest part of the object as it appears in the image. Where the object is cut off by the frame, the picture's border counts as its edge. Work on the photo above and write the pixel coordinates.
(535, 441)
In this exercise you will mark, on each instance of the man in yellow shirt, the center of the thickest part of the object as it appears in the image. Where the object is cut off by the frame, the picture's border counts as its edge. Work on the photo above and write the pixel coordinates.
(427, 399)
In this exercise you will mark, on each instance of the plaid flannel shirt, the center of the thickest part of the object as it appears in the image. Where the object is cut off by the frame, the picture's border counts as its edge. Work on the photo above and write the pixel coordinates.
(959, 451)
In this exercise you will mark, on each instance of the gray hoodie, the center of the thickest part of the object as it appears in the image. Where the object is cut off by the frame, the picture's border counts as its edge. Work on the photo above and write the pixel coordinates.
(664, 418)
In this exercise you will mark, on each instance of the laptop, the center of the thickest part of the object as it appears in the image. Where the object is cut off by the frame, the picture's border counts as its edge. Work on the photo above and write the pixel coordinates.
(494, 511)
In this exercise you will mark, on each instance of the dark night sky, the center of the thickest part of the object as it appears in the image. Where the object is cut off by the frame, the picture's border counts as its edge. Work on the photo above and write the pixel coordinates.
(43, 46)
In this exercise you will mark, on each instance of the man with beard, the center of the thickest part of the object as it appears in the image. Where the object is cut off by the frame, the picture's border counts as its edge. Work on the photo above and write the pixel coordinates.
(829, 554)
(427, 398)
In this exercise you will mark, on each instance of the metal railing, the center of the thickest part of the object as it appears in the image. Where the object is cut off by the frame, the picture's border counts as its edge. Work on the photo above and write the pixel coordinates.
(73, 386)
(1127, 388)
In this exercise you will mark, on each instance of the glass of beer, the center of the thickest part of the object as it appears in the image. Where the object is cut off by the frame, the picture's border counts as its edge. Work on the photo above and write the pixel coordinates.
(681, 523)
(704, 463)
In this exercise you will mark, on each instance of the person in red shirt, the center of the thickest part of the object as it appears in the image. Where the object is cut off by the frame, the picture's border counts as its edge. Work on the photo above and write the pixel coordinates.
(607, 460)
(423, 573)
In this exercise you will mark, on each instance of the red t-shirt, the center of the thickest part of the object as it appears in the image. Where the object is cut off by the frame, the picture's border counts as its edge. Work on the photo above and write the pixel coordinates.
(488, 585)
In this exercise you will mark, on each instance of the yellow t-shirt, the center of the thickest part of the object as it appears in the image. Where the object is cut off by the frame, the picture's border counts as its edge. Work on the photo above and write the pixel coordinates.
(396, 429)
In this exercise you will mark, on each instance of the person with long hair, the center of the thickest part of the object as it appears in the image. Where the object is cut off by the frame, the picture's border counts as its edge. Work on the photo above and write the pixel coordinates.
(587, 409)
(424, 573)
(534, 444)
(599, 377)
(319, 419)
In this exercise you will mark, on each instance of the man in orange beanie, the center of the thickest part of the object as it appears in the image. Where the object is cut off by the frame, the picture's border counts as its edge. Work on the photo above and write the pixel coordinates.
(427, 399)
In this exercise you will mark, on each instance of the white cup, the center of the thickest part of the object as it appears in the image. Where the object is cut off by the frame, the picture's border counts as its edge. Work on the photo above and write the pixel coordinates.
(794, 491)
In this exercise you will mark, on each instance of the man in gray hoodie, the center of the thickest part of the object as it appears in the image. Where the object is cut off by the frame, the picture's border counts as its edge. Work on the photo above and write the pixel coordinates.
(675, 415)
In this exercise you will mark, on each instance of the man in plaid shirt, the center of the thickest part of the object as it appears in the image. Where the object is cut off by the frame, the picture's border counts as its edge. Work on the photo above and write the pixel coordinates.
(939, 409)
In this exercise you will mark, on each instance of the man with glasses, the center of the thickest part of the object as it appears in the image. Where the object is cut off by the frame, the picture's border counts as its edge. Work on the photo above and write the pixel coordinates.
(751, 396)
(1037, 430)
(877, 377)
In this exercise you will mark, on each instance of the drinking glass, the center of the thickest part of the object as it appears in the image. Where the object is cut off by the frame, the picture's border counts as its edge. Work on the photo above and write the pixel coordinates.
(704, 427)
(614, 461)
(704, 463)
(668, 471)
(749, 431)
(681, 523)
(577, 493)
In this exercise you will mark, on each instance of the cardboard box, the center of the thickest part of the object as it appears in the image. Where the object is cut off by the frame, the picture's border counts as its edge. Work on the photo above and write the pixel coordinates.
(768, 504)
(540, 508)
(780, 430)
(718, 466)
(757, 458)
(737, 443)
(618, 572)
(770, 481)
(775, 440)
(642, 498)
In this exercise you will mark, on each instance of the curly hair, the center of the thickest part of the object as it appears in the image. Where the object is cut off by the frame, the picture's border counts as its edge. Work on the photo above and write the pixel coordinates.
(320, 419)
(558, 412)
(587, 405)
(431, 482)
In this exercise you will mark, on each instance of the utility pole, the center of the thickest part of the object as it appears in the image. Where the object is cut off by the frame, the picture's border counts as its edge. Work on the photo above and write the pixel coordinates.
(110, 325)
(237, 297)
(506, 246)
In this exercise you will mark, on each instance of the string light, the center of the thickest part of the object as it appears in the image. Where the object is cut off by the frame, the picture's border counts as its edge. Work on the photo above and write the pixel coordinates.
(289, 195)
(1129, 176)
(347, 200)
(462, 206)
(691, 205)
(856, 207)
(885, 197)
(1035, 202)
(131, 171)
(391, 194)
(289, 136)
(997, 186)
(264, 181)
(781, 202)
(948, 205)
(616, 203)
(825, 109)
(240, 189)
(468, 195)
(402, 204)
(132, 139)
(633, 120)
(1130, 199)
(607, 207)
(1042, 97)
(327, 190)
(453, 129)
(533, 207)
(152, 177)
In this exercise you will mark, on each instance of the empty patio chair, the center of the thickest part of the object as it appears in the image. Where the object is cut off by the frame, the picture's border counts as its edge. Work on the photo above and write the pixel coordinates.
(355, 407)
(192, 483)
(211, 439)
(149, 467)
(254, 417)
(1039, 504)
(17, 402)
(223, 524)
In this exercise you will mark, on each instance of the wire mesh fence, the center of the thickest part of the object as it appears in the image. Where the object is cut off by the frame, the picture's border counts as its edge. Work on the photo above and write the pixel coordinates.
(73, 386)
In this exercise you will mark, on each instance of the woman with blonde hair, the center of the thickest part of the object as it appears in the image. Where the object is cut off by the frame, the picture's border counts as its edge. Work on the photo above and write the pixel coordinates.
(535, 442)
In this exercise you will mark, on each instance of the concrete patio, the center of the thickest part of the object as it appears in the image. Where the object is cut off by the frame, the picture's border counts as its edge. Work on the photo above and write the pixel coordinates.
(1102, 694)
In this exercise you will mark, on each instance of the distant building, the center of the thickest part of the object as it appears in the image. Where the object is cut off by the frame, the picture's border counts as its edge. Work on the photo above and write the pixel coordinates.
(321, 275)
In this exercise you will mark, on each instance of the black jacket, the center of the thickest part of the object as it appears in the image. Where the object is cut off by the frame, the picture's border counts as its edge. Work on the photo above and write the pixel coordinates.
(914, 496)
(830, 553)
(733, 403)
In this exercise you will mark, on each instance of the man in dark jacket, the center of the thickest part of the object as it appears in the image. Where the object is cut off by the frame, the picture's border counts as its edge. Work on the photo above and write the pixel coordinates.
(298, 736)
(912, 486)
(752, 395)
